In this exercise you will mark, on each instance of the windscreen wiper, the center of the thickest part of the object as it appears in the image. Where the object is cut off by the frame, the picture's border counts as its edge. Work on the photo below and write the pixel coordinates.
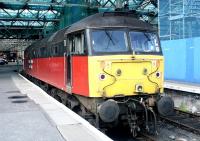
(145, 34)
(110, 38)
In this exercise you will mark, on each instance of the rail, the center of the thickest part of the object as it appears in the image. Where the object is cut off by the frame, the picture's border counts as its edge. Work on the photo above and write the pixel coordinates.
(185, 120)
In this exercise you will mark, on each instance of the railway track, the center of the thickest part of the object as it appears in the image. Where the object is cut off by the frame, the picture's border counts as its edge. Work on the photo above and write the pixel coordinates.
(184, 120)
(147, 137)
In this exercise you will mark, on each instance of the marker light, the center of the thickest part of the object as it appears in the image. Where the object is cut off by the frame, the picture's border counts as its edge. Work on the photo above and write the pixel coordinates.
(158, 74)
(102, 76)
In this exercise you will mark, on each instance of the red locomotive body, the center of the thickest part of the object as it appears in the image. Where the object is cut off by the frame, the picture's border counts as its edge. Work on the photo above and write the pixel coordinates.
(47, 61)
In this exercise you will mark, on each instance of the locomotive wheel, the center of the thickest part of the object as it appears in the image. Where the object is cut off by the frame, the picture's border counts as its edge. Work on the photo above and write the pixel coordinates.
(57, 98)
(35, 81)
(52, 92)
(92, 122)
(77, 110)
(45, 87)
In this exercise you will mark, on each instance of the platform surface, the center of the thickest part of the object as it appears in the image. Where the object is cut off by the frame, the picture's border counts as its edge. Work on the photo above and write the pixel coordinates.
(182, 86)
(28, 114)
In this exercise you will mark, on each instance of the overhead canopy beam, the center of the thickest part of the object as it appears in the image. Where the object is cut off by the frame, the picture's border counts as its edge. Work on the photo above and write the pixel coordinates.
(30, 19)
(31, 5)
(44, 5)
(22, 27)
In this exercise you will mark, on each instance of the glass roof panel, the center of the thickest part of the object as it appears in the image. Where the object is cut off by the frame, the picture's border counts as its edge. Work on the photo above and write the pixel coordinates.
(19, 23)
(27, 14)
(5, 22)
(50, 24)
(7, 13)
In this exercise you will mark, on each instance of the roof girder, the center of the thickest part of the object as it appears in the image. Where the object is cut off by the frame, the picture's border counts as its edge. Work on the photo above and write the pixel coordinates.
(32, 15)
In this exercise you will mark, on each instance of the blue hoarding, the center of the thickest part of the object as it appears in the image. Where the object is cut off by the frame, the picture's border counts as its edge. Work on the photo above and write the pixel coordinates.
(182, 59)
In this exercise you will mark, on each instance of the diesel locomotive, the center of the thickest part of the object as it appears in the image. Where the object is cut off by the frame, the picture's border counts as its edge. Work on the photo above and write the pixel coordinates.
(108, 68)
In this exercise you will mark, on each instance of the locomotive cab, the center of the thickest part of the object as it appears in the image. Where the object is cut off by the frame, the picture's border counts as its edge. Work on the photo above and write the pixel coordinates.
(115, 65)
(124, 62)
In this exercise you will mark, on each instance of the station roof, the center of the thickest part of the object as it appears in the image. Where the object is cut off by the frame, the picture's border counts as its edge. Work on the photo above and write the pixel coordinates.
(31, 19)
(16, 16)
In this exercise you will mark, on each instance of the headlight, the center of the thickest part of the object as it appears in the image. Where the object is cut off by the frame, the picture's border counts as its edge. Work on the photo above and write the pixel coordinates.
(118, 72)
(138, 88)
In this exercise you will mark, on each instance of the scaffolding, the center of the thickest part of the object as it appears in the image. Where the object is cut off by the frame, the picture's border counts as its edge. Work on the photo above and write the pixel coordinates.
(179, 19)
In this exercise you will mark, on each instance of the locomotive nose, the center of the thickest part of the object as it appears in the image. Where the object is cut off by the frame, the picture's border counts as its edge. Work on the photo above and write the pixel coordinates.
(108, 110)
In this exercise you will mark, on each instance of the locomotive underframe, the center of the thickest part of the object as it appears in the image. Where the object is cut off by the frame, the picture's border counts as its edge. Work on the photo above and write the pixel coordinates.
(136, 112)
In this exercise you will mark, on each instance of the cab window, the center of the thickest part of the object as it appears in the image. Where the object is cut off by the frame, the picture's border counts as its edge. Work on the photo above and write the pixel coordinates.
(144, 42)
(76, 44)
(107, 41)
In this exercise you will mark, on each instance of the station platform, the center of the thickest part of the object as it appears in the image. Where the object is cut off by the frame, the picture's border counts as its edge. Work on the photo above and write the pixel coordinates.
(27, 113)
(181, 86)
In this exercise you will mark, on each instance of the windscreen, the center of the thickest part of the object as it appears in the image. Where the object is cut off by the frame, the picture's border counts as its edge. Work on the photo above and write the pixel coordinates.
(109, 41)
(144, 42)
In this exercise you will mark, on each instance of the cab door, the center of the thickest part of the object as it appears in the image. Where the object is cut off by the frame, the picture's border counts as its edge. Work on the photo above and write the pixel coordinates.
(68, 63)
(77, 64)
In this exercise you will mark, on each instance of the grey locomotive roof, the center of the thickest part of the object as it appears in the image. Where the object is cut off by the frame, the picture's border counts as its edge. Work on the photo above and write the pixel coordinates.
(109, 20)
(54, 38)
(98, 20)
(58, 36)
